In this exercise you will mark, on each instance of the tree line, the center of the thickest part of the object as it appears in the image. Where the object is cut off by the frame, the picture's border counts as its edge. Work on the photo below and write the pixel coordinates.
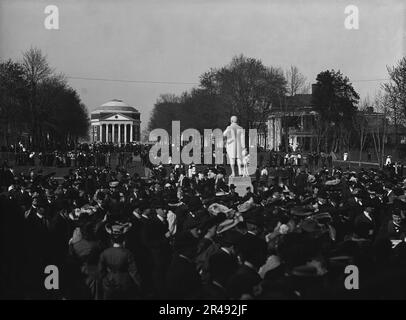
(247, 88)
(38, 106)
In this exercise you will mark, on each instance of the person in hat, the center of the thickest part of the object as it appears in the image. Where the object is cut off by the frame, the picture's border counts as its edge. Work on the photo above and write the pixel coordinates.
(301, 182)
(38, 209)
(114, 184)
(395, 228)
(156, 237)
(249, 194)
(142, 214)
(191, 218)
(51, 199)
(245, 283)
(117, 267)
(208, 229)
(220, 183)
(182, 280)
(192, 225)
(85, 251)
(226, 255)
(216, 289)
(233, 195)
(299, 213)
(211, 243)
(312, 227)
(254, 220)
(322, 203)
(183, 182)
(38, 240)
(201, 182)
(365, 222)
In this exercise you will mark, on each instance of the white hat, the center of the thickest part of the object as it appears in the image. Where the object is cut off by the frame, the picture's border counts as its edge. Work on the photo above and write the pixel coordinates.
(247, 205)
(229, 223)
(216, 208)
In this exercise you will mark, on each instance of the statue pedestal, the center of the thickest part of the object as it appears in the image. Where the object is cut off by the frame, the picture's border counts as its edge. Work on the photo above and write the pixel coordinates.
(241, 184)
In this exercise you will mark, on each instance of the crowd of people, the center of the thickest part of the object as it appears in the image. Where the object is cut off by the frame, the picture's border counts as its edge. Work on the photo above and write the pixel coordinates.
(97, 154)
(184, 233)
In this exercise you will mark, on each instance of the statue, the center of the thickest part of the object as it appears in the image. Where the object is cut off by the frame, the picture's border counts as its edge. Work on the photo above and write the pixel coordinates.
(245, 162)
(235, 145)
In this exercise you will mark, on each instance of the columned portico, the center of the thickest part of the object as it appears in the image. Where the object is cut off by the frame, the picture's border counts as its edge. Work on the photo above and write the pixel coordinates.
(125, 133)
(119, 133)
(115, 122)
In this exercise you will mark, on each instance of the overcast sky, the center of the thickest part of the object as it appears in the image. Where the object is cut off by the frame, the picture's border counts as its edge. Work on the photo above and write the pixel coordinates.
(178, 40)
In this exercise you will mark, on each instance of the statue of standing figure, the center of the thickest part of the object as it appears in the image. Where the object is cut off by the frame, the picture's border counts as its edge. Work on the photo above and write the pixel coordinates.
(235, 145)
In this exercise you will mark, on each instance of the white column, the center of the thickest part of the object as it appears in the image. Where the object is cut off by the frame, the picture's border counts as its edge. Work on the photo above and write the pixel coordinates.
(125, 133)
(106, 132)
(99, 133)
(131, 132)
(115, 133)
(119, 133)
(112, 132)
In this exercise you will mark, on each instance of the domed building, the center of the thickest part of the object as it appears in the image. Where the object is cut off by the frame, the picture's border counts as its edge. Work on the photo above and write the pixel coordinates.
(115, 122)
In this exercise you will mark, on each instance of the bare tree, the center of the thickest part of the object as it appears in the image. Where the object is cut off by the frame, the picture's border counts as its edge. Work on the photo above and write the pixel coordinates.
(36, 70)
(36, 66)
(395, 90)
(12, 98)
(379, 129)
(296, 82)
(360, 123)
(306, 89)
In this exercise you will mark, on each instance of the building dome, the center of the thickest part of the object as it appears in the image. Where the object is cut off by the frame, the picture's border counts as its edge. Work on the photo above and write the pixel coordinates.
(115, 105)
(115, 122)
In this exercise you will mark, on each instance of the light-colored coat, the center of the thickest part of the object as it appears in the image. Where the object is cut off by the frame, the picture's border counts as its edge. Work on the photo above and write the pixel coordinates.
(235, 141)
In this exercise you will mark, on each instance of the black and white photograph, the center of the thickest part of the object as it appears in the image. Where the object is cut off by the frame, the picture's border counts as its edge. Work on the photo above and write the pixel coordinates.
(202, 154)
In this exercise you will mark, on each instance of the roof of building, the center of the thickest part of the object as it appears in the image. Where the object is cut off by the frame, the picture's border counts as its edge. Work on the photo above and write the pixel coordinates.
(115, 105)
(296, 103)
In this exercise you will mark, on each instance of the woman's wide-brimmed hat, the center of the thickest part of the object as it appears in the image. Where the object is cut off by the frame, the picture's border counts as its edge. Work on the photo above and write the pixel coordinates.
(117, 229)
(247, 205)
(77, 213)
(216, 208)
